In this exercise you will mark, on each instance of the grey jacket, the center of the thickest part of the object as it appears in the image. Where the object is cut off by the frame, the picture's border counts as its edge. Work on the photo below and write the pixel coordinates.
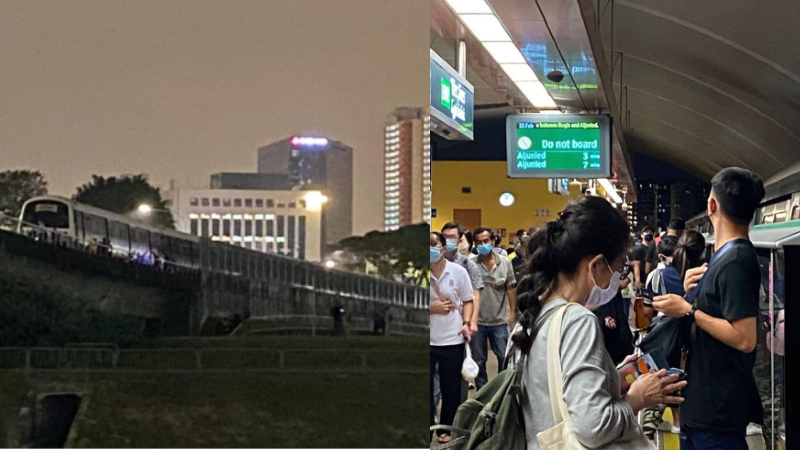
(591, 383)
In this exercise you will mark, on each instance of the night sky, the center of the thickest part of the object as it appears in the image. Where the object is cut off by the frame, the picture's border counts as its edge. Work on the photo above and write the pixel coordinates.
(179, 90)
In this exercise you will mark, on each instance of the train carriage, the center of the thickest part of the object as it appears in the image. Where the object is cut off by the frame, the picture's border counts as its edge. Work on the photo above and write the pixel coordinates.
(74, 224)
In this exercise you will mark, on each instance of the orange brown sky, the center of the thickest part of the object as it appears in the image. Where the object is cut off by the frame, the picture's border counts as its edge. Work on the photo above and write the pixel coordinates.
(182, 89)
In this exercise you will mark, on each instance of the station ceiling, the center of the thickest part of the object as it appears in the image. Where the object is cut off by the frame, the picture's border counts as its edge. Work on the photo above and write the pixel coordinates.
(552, 37)
(709, 84)
(699, 84)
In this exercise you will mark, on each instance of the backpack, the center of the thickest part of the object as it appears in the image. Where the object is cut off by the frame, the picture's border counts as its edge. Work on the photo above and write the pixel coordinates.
(656, 278)
(493, 420)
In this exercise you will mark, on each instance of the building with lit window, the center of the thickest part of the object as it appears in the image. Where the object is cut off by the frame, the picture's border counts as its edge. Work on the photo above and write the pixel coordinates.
(665, 192)
(283, 222)
(661, 201)
(407, 168)
(316, 163)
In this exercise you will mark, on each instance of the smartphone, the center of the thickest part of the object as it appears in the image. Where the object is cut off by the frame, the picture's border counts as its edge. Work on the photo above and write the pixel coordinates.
(648, 297)
(626, 270)
(681, 374)
(681, 377)
(649, 362)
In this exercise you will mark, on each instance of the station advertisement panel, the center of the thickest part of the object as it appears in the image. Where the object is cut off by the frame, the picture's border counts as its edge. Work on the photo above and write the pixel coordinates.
(558, 146)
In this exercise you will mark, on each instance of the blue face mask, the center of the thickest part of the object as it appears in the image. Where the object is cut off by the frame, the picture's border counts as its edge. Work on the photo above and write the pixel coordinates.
(436, 254)
(452, 245)
(484, 249)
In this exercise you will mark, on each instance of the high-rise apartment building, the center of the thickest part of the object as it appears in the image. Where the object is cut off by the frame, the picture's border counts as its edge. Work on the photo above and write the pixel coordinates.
(317, 163)
(661, 201)
(688, 199)
(653, 208)
(407, 168)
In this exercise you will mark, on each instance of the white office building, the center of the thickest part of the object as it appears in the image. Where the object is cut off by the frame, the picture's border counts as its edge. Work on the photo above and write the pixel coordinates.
(280, 222)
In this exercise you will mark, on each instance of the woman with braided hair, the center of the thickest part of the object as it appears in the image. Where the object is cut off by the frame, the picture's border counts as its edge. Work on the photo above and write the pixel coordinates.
(577, 260)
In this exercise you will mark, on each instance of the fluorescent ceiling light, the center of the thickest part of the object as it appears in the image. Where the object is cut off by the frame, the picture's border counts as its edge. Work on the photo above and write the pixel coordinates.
(486, 27)
(519, 72)
(610, 189)
(537, 94)
(505, 52)
(470, 6)
(481, 21)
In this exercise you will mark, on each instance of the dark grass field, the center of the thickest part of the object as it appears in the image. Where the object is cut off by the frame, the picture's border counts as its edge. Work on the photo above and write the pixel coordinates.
(247, 409)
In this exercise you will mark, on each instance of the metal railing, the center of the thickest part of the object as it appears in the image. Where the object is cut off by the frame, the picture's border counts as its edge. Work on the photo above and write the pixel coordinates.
(220, 260)
(224, 265)
(61, 239)
(209, 360)
(311, 323)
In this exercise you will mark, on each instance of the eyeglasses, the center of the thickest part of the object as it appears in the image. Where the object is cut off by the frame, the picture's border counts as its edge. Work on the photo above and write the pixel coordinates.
(619, 264)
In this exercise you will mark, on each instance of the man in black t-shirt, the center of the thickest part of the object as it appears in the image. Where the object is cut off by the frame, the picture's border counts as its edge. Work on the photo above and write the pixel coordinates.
(722, 397)
(651, 257)
(639, 257)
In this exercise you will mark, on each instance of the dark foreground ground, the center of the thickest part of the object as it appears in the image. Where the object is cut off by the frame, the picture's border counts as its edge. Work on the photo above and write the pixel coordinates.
(246, 409)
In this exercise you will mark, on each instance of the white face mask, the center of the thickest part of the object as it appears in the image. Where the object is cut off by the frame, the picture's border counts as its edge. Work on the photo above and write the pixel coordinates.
(600, 296)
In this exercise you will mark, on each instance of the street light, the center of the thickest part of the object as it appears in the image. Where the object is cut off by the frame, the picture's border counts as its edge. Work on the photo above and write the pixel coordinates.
(330, 264)
(146, 209)
(315, 200)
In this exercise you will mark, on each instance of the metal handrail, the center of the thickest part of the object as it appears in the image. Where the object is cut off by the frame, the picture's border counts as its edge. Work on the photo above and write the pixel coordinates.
(120, 254)
(62, 363)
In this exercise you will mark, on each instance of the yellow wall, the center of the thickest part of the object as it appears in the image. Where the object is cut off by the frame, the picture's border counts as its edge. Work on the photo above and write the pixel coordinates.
(488, 180)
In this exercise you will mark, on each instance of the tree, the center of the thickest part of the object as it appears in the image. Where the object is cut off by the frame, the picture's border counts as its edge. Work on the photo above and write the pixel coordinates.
(17, 186)
(123, 195)
(412, 254)
(395, 254)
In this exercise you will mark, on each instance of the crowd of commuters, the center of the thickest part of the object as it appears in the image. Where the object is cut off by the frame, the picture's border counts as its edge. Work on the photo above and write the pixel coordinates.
(491, 276)
(586, 259)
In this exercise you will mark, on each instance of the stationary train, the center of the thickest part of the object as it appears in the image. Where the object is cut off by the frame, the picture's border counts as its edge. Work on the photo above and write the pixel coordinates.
(79, 224)
(782, 209)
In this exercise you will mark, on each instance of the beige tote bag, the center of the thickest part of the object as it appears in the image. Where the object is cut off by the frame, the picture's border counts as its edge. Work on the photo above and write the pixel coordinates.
(561, 437)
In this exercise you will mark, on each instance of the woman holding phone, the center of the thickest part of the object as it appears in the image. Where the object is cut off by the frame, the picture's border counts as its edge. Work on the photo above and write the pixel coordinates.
(577, 261)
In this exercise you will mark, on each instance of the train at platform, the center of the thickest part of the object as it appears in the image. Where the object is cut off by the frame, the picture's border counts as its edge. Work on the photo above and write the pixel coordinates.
(782, 209)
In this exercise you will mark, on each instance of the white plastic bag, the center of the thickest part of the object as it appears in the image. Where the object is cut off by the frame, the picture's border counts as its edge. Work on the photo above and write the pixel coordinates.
(469, 370)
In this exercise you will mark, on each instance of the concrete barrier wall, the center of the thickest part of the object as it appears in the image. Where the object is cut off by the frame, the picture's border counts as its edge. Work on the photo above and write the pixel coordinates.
(179, 302)
(103, 284)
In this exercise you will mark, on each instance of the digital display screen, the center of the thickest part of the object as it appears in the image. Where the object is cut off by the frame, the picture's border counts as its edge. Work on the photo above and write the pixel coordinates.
(558, 146)
(452, 99)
